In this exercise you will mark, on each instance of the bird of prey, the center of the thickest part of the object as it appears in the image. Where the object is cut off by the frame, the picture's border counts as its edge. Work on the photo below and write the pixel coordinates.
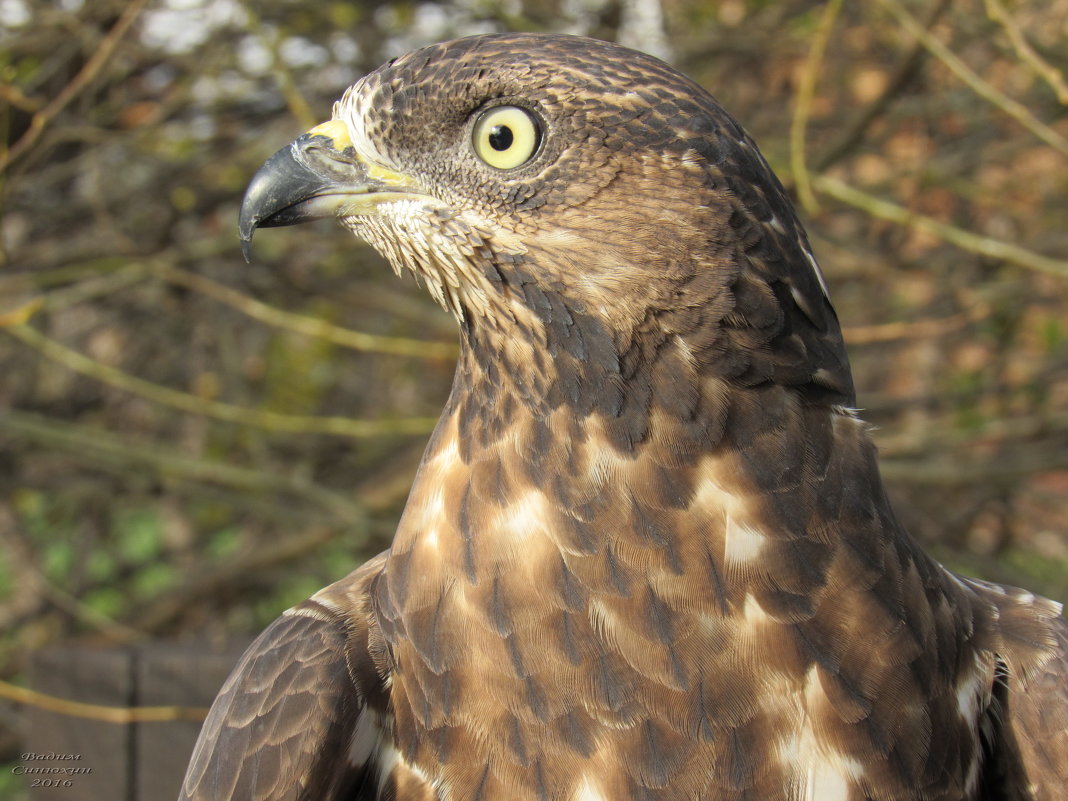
(647, 555)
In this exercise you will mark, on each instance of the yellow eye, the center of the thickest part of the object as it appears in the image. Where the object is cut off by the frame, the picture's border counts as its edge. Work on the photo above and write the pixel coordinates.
(506, 137)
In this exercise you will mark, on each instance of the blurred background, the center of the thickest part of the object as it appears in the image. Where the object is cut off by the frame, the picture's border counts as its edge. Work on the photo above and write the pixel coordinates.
(189, 444)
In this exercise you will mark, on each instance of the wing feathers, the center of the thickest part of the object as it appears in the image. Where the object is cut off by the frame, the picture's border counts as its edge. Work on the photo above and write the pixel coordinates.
(296, 720)
(1027, 727)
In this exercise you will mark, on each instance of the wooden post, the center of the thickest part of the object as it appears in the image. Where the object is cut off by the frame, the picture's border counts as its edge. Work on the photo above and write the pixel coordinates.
(100, 751)
(68, 758)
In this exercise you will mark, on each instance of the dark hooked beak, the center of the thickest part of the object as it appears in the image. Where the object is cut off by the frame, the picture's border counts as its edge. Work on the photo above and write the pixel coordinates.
(317, 175)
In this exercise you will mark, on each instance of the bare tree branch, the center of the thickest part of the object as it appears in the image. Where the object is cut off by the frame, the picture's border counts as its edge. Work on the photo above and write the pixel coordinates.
(996, 10)
(301, 324)
(107, 714)
(996, 97)
(84, 77)
(965, 240)
(803, 105)
(245, 415)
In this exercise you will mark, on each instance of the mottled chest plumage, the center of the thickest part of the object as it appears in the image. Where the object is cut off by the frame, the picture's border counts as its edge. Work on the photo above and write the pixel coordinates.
(655, 630)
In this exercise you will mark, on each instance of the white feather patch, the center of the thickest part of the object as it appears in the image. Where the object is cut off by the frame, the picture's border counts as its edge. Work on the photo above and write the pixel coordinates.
(390, 759)
(743, 543)
(825, 773)
(588, 791)
(524, 516)
(819, 273)
(366, 737)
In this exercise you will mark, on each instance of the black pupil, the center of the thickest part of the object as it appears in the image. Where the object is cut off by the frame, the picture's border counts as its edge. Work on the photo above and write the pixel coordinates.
(501, 137)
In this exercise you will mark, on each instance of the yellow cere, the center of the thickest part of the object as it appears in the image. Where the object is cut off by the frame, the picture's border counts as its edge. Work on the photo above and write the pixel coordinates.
(338, 134)
(505, 137)
(336, 131)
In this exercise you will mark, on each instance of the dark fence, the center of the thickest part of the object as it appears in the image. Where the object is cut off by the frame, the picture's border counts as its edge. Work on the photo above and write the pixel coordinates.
(79, 758)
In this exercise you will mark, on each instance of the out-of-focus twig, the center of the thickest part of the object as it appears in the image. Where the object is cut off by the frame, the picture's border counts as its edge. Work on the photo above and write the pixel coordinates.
(963, 469)
(90, 288)
(380, 493)
(965, 240)
(21, 314)
(107, 714)
(1001, 450)
(273, 421)
(14, 97)
(298, 106)
(996, 97)
(806, 90)
(43, 587)
(110, 449)
(95, 281)
(87, 73)
(23, 593)
(996, 10)
(311, 326)
(913, 330)
(60, 276)
(858, 127)
(207, 583)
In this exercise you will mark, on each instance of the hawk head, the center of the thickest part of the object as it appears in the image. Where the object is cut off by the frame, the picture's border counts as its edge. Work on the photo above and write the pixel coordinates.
(570, 197)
